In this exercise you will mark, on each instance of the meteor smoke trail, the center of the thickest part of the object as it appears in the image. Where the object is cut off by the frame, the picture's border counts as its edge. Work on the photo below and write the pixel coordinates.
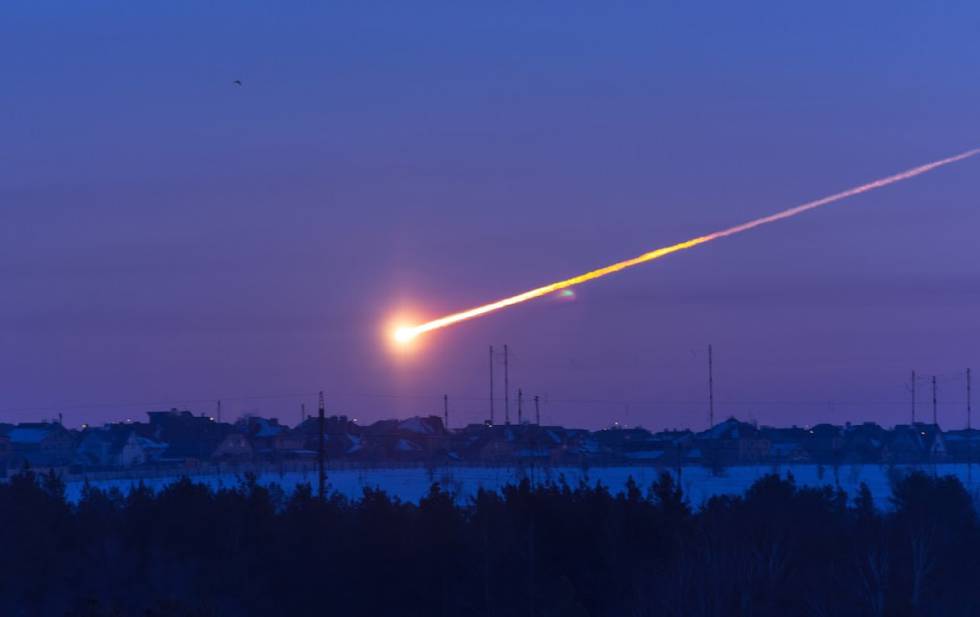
(408, 333)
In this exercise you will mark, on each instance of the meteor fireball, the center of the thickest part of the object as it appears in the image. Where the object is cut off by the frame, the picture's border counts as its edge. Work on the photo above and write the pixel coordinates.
(405, 334)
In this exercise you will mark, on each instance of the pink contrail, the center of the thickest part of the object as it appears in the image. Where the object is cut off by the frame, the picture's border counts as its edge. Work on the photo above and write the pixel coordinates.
(823, 201)
(407, 333)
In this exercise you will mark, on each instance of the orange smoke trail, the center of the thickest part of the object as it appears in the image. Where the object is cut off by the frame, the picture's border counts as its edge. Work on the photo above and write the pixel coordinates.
(407, 333)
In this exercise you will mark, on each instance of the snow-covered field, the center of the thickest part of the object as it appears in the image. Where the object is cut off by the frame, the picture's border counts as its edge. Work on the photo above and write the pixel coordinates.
(409, 484)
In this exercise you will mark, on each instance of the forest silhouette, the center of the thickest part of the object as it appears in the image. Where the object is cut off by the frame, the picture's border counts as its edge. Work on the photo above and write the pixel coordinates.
(529, 550)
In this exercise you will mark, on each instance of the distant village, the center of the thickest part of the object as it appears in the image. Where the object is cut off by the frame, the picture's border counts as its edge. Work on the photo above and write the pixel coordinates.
(180, 440)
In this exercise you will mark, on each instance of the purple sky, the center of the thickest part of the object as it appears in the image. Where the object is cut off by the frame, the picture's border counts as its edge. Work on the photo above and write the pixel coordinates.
(167, 238)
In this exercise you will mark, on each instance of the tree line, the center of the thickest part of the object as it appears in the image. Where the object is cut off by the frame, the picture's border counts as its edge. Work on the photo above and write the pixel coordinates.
(529, 550)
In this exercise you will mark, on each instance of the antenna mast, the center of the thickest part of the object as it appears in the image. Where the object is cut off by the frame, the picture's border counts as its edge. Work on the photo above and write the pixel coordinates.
(969, 406)
(913, 397)
(711, 390)
(321, 476)
(506, 389)
(491, 385)
(520, 406)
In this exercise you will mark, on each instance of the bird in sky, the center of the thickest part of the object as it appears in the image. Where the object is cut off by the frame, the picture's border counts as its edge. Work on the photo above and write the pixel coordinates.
(237, 82)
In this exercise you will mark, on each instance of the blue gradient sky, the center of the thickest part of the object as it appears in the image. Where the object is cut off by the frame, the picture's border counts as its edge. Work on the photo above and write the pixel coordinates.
(166, 236)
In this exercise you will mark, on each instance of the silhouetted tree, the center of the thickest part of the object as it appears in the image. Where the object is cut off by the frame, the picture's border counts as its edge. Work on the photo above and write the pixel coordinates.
(547, 549)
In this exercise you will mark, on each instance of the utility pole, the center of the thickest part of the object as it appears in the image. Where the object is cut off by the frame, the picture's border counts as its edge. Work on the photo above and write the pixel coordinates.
(934, 415)
(711, 390)
(445, 411)
(320, 452)
(302, 413)
(506, 389)
(969, 407)
(219, 412)
(520, 406)
(913, 397)
(491, 385)
(537, 410)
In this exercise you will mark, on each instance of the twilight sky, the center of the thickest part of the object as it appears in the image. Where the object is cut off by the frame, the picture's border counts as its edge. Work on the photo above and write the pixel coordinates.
(168, 238)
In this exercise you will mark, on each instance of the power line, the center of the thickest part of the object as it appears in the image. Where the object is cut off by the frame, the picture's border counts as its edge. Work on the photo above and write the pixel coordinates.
(435, 398)
(156, 403)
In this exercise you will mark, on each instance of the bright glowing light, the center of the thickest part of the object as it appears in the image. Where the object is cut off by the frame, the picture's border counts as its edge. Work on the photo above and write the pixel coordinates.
(406, 334)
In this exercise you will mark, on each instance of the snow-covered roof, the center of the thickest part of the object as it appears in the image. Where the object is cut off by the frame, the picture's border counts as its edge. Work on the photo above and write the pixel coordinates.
(405, 445)
(267, 429)
(727, 428)
(356, 443)
(589, 446)
(150, 444)
(416, 425)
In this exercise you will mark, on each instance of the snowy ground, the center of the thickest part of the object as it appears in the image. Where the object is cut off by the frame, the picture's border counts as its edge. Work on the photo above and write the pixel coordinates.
(409, 484)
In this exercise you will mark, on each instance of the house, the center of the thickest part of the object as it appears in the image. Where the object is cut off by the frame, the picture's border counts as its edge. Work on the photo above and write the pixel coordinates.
(636, 445)
(678, 447)
(40, 444)
(137, 449)
(262, 433)
(621, 439)
(537, 443)
(903, 444)
(496, 445)
(118, 445)
(190, 438)
(524, 443)
(570, 446)
(824, 443)
(787, 445)
(862, 443)
(788, 452)
(935, 443)
(732, 442)
(485, 443)
(4, 453)
(234, 447)
(469, 441)
(428, 431)
(963, 445)
(417, 438)
(914, 443)
(291, 444)
(675, 437)
(342, 439)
